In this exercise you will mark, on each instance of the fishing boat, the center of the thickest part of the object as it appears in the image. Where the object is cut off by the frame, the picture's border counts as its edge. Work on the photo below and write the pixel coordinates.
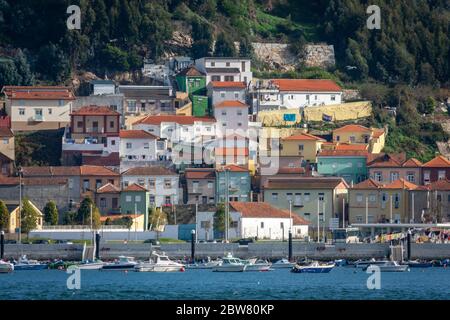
(91, 265)
(6, 267)
(123, 263)
(230, 264)
(255, 264)
(25, 264)
(159, 262)
(366, 263)
(283, 263)
(341, 263)
(419, 264)
(390, 266)
(209, 264)
(314, 267)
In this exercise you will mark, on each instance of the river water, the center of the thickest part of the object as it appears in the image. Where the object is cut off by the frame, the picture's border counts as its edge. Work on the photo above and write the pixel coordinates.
(341, 283)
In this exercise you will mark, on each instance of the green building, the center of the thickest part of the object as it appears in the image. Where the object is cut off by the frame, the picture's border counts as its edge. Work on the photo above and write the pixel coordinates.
(239, 184)
(350, 165)
(134, 199)
(193, 82)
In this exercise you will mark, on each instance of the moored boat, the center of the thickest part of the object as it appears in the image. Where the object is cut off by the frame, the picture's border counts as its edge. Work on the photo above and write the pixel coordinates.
(390, 266)
(366, 263)
(123, 263)
(419, 264)
(257, 265)
(159, 263)
(314, 267)
(91, 265)
(6, 267)
(283, 263)
(230, 264)
(25, 264)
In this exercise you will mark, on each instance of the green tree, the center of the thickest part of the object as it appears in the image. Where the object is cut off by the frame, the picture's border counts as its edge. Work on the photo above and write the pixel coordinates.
(4, 216)
(114, 59)
(220, 219)
(8, 72)
(224, 46)
(23, 69)
(245, 48)
(53, 64)
(70, 218)
(29, 217)
(84, 213)
(51, 213)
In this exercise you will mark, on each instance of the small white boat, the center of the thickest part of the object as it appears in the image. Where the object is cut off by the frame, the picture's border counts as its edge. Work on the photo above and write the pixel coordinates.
(6, 267)
(123, 263)
(390, 266)
(209, 264)
(230, 264)
(91, 265)
(366, 263)
(25, 264)
(283, 263)
(314, 267)
(159, 263)
(257, 265)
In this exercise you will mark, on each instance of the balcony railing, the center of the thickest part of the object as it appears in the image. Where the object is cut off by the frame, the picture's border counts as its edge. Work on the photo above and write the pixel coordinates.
(38, 117)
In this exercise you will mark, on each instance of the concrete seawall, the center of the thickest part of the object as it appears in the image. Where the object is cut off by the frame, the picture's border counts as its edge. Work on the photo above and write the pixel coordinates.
(203, 250)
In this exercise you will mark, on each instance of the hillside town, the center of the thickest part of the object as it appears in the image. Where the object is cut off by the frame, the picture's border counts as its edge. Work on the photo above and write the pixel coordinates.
(207, 137)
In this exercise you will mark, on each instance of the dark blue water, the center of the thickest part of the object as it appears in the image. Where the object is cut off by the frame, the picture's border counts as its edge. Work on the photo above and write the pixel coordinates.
(340, 283)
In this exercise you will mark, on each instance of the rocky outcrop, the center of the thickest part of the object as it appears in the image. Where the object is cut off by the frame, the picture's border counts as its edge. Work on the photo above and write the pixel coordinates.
(319, 55)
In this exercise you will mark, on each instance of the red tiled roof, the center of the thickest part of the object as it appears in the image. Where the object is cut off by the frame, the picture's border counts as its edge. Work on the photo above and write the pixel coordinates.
(6, 132)
(343, 153)
(191, 71)
(230, 104)
(441, 185)
(136, 134)
(95, 111)
(412, 163)
(110, 160)
(378, 133)
(48, 171)
(134, 188)
(38, 93)
(149, 171)
(51, 181)
(260, 210)
(353, 128)
(233, 168)
(231, 151)
(228, 84)
(200, 173)
(10, 181)
(368, 184)
(440, 161)
(156, 120)
(108, 188)
(320, 85)
(304, 136)
(351, 147)
(97, 171)
(401, 184)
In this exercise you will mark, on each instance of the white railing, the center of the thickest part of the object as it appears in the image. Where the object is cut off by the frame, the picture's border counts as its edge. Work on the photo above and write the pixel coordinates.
(82, 227)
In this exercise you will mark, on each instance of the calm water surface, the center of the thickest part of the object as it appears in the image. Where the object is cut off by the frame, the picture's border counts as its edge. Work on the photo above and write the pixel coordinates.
(340, 283)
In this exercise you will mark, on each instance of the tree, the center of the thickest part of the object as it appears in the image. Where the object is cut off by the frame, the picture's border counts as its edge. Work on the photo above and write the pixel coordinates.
(245, 48)
(84, 213)
(224, 46)
(53, 64)
(70, 218)
(114, 59)
(51, 213)
(23, 69)
(219, 218)
(4, 216)
(8, 72)
(29, 217)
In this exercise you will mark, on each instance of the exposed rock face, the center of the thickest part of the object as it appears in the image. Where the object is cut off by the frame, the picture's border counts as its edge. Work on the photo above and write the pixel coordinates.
(278, 56)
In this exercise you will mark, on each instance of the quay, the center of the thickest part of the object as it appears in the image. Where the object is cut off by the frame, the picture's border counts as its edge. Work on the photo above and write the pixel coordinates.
(269, 250)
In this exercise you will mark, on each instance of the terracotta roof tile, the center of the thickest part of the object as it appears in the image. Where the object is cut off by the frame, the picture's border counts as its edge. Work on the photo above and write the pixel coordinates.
(136, 134)
(97, 171)
(200, 173)
(343, 153)
(313, 85)
(6, 132)
(261, 210)
(48, 171)
(353, 128)
(440, 161)
(401, 184)
(368, 184)
(134, 188)
(441, 185)
(108, 188)
(191, 71)
(38, 93)
(412, 163)
(303, 136)
(157, 120)
(233, 168)
(228, 84)
(95, 111)
(13, 181)
(351, 147)
(230, 104)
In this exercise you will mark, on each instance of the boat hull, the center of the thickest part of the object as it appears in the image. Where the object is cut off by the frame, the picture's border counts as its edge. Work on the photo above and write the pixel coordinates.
(90, 266)
(399, 268)
(118, 267)
(256, 267)
(310, 269)
(30, 267)
(230, 268)
(156, 268)
(6, 267)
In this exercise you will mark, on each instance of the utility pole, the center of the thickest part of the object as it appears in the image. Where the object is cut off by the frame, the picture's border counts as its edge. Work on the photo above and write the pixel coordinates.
(20, 205)
(367, 210)
(318, 220)
(412, 207)
(391, 210)
(343, 212)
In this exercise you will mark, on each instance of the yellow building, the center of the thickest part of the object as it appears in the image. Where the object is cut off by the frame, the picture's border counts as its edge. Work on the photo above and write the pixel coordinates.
(357, 134)
(304, 145)
(7, 155)
(14, 217)
(137, 219)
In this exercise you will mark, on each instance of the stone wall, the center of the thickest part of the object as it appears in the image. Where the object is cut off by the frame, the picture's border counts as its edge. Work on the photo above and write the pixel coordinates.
(319, 55)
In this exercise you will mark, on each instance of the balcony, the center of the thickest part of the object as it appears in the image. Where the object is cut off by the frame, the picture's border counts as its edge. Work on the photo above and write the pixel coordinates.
(37, 118)
(95, 130)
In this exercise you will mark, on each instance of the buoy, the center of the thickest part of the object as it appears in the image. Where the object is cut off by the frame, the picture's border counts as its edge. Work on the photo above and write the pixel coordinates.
(182, 269)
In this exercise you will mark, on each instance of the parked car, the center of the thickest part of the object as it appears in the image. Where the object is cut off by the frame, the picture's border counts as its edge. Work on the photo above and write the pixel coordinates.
(244, 242)
(153, 242)
(10, 241)
(41, 241)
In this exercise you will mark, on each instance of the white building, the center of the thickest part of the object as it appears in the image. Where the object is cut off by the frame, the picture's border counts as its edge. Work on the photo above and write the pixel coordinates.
(162, 183)
(254, 220)
(102, 87)
(38, 108)
(225, 69)
(295, 93)
(137, 145)
(231, 117)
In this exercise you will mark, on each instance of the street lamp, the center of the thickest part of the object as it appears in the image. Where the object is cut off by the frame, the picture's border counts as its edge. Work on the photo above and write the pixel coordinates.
(20, 171)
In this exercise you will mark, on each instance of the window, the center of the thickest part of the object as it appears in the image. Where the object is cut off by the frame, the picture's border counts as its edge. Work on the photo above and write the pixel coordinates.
(128, 198)
(79, 124)
(215, 78)
(167, 183)
(289, 196)
(394, 176)
(131, 106)
(236, 95)
(426, 176)
(359, 197)
(441, 174)
(378, 176)
(85, 185)
(298, 199)
(50, 110)
(103, 202)
(137, 198)
(243, 67)
(167, 200)
(338, 138)
(61, 103)
(222, 94)
(411, 176)
(234, 224)
(397, 201)
(281, 225)
(301, 147)
(321, 196)
(224, 113)
(129, 145)
(352, 139)
(151, 183)
(239, 124)
(239, 112)
(213, 64)
(307, 214)
(274, 196)
(205, 224)
(146, 145)
(5, 140)
(70, 183)
(359, 219)
(315, 97)
(306, 197)
(21, 111)
(227, 64)
(372, 198)
(141, 181)
(229, 78)
(195, 185)
(152, 199)
(210, 184)
(333, 98)
(111, 124)
(262, 225)
(143, 106)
